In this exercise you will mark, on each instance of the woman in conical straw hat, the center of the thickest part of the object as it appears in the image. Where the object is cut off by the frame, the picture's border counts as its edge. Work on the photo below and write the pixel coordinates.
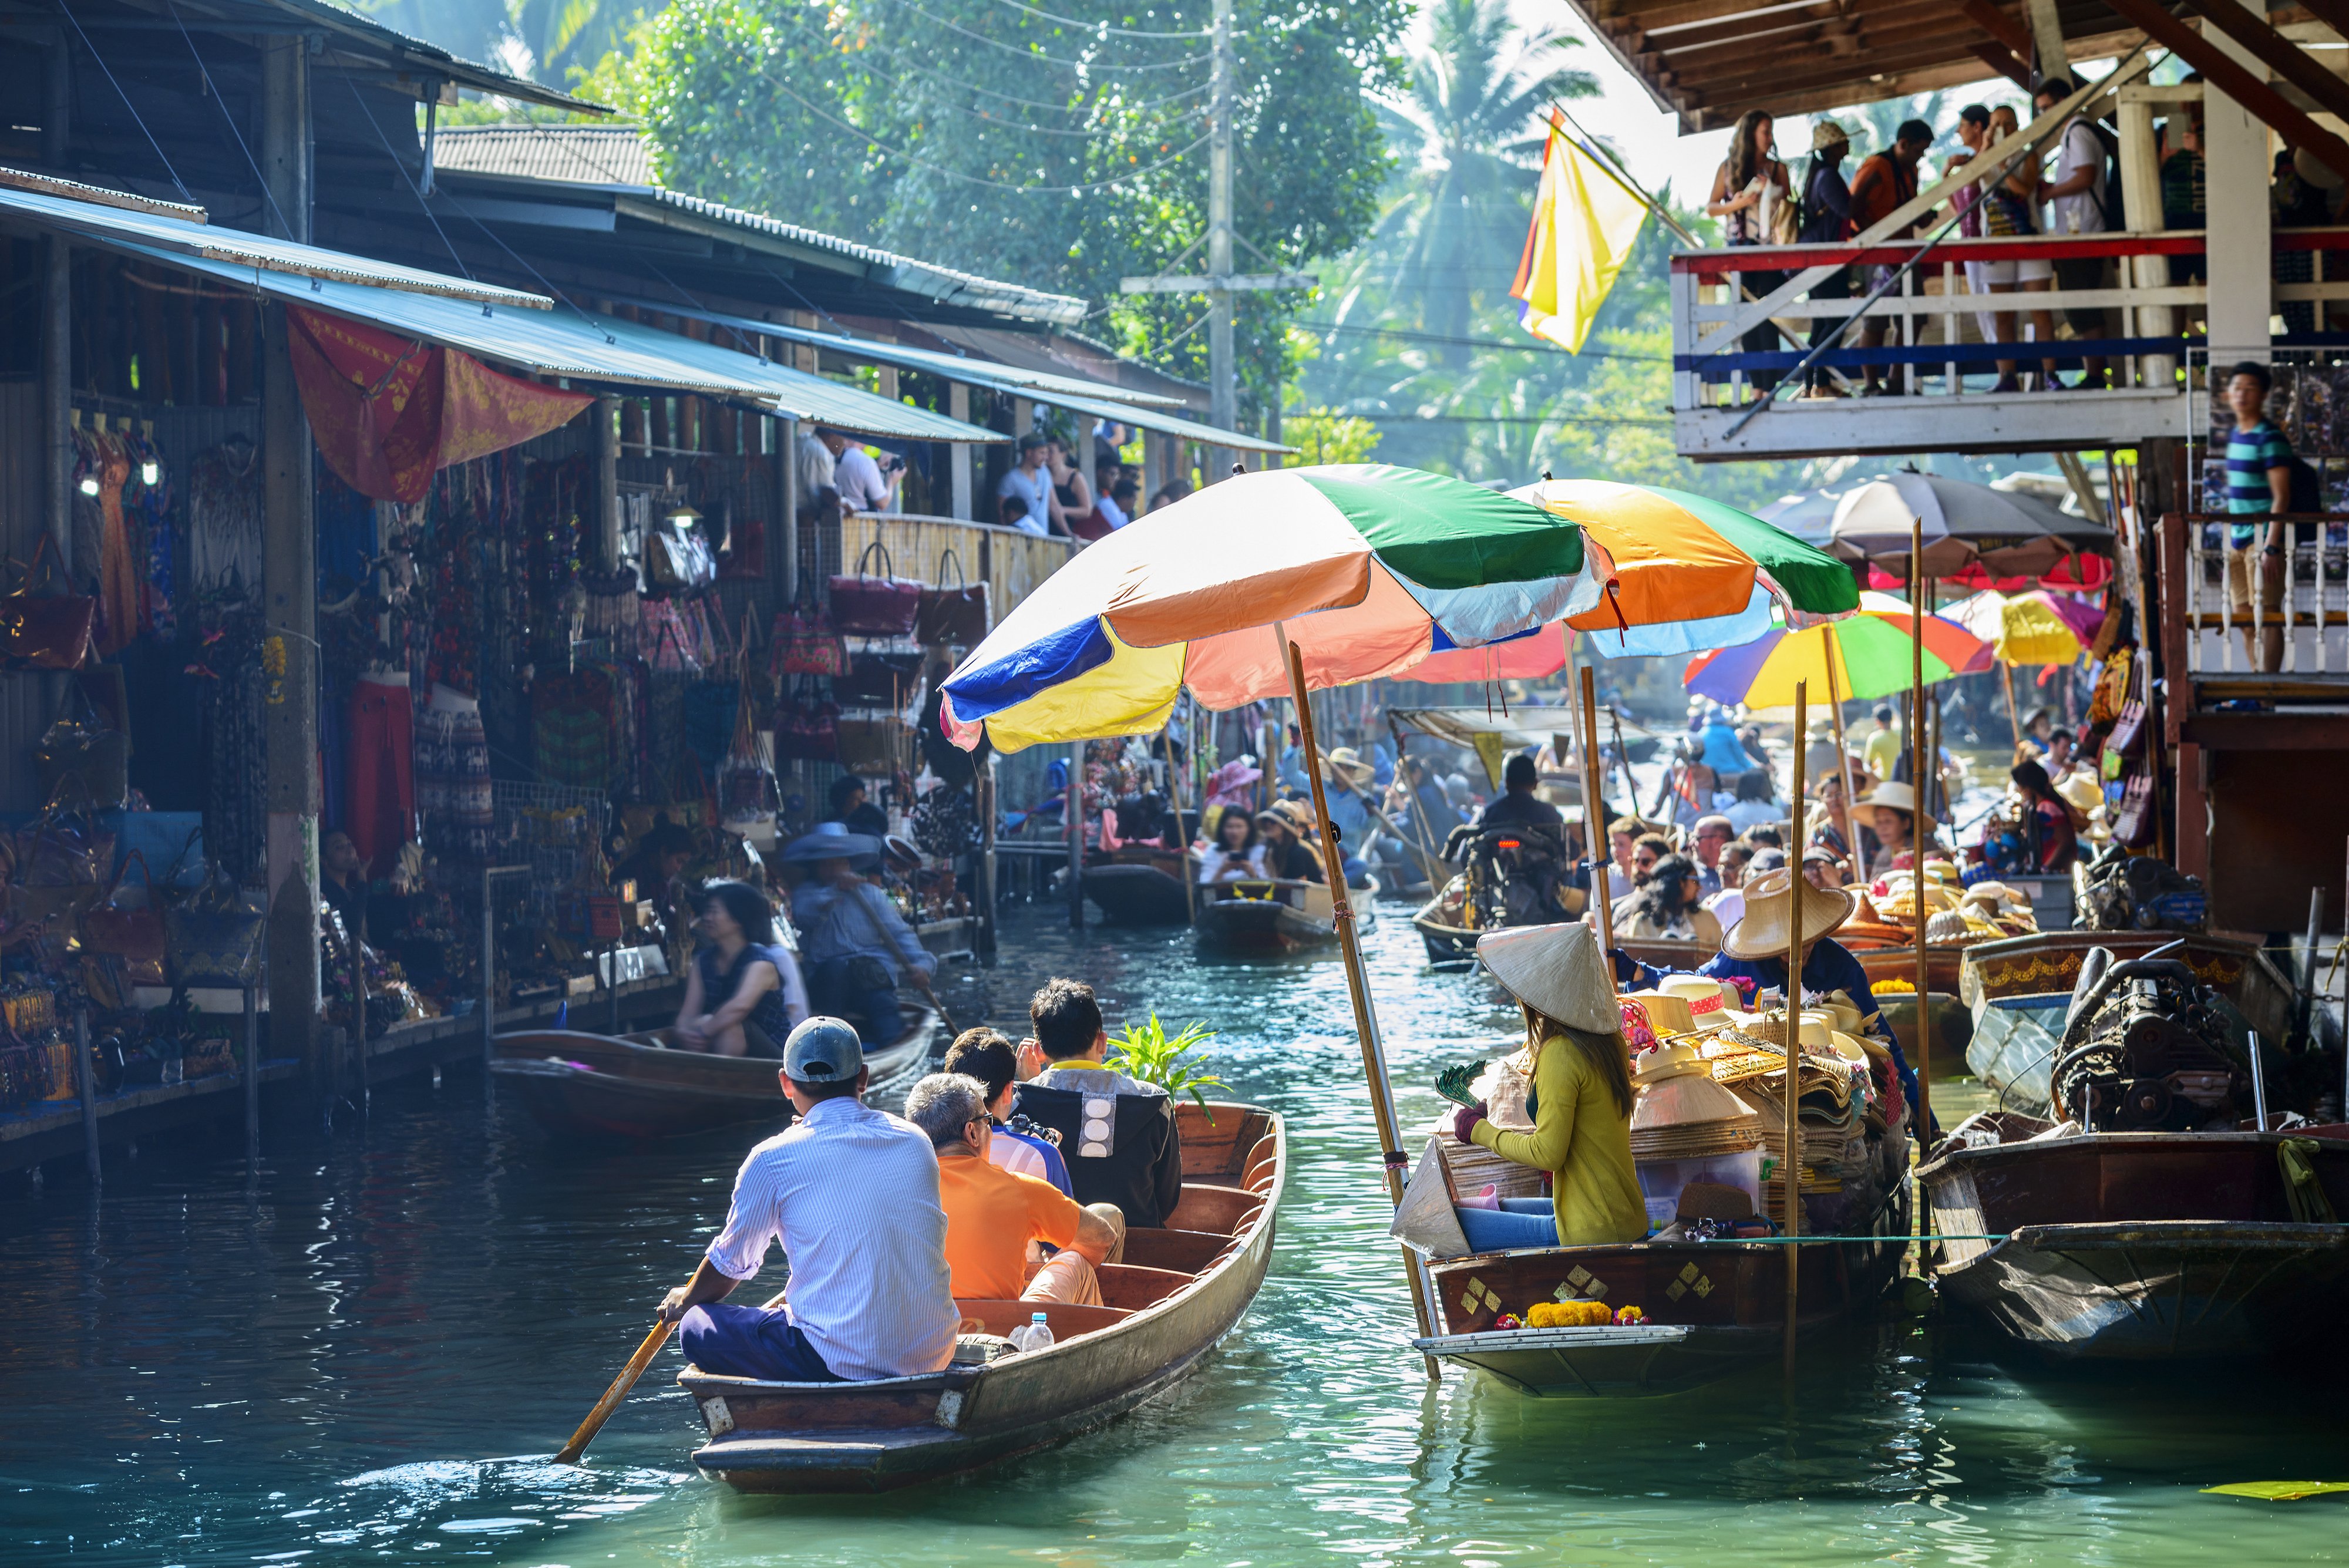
(1582, 1095)
(1754, 953)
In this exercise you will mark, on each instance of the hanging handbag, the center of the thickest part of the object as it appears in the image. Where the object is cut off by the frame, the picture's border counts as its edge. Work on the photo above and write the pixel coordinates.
(2136, 825)
(135, 935)
(874, 745)
(867, 605)
(2129, 730)
(87, 752)
(805, 643)
(668, 644)
(51, 633)
(888, 680)
(214, 936)
(57, 862)
(807, 727)
(956, 617)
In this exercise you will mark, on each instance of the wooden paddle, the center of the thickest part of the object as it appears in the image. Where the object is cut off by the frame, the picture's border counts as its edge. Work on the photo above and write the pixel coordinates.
(614, 1394)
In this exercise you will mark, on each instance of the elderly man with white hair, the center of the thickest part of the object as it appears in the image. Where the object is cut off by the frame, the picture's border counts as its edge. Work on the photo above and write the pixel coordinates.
(992, 1214)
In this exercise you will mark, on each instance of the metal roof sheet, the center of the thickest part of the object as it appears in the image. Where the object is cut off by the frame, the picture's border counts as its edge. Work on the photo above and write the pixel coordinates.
(574, 154)
(582, 347)
(251, 252)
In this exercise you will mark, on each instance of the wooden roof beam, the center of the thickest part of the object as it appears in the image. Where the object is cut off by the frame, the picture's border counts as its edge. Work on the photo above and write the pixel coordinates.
(2004, 61)
(1887, 51)
(2001, 26)
(1869, 25)
(2281, 56)
(2223, 72)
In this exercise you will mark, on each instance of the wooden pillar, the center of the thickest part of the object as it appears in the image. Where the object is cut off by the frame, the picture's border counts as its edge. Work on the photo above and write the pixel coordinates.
(2241, 271)
(57, 93)
(2141, 194)
(57, 396)
(961, 454)
(1023, 416)
(787, 455)
(289, 588)
(2048, 44)
(607, 415)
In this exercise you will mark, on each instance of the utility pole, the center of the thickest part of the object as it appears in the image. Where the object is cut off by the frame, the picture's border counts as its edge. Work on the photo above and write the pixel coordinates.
(1220, 283)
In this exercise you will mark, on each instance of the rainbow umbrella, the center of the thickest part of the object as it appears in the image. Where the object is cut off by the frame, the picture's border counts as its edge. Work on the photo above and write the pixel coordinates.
(1867, 656)
(2035, 627)
(1370, 567)
(1684, 572)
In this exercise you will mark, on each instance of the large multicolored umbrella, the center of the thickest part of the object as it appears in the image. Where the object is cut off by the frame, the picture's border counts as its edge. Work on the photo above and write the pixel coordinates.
(1529, 657)
(2037, 627)
(1867, 656)
(1684, 573)
(1370, 567)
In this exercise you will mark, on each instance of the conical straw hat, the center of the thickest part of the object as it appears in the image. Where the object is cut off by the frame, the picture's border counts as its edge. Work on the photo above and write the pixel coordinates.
(1557, 971)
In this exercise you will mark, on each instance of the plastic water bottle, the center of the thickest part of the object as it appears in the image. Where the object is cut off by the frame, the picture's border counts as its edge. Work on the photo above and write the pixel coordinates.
(1036, 1334)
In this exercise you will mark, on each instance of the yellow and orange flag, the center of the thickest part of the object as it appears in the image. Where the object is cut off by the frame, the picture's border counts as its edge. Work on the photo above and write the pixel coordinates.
(1586, 220)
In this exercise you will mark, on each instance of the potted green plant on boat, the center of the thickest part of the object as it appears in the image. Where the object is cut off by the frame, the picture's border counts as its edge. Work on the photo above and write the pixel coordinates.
(1145, 1052)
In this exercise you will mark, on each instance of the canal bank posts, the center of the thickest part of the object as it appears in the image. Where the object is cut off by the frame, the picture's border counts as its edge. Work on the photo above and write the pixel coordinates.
(1792, 1173)
(1392, 1159)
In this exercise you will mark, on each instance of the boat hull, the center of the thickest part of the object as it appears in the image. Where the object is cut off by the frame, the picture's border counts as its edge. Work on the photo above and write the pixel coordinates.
(1138, 894)
(2140, 1246)
(1186, 1285)
(1270, 925)
(1448, 946)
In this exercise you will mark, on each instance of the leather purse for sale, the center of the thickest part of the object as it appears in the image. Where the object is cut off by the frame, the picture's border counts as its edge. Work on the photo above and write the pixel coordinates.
(867, 605)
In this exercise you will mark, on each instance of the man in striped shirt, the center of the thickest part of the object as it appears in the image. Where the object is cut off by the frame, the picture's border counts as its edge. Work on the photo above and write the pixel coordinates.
(2258, 484)
(852, 1194)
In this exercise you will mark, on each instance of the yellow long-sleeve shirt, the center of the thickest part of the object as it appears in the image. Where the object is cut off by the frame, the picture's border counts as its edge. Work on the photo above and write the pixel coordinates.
(1584, 1142)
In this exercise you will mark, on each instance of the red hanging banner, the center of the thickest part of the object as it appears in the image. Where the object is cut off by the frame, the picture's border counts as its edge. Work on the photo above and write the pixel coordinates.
(388, 411)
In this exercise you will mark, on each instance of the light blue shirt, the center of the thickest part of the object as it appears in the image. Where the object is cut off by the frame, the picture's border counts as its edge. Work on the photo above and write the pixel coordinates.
(1034, 489)
(857, 921)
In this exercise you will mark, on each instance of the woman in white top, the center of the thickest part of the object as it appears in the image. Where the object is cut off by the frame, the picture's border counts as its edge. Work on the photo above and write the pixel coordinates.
(1748, 192)
(1235, 854)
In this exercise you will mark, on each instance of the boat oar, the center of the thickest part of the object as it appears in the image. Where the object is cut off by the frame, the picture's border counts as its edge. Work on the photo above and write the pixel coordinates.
(614, 1394)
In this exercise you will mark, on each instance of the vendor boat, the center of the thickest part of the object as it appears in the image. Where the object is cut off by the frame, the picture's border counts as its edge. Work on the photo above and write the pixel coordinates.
(2140, 1246)
(1179, 1291)
(638, 1087)
(1449, 946)
(1142, 885)
(1276, 917)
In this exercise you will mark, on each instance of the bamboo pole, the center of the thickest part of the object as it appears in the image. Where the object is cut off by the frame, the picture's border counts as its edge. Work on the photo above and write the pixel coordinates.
(1792, 1172)
(1586, 716)
(1392, 1159)
(1174, 798)
(1072, 827)
(1918, 821)
(2013, 721)
(1843, 760)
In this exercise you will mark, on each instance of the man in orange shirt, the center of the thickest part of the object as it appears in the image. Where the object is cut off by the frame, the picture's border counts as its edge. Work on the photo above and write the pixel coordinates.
(1884, 184)
(993, 1214)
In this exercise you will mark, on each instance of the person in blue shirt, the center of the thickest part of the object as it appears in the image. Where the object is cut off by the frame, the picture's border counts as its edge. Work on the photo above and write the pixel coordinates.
(1019, 1146)
(1754, 951)
(2258, 484)
(1722, 751)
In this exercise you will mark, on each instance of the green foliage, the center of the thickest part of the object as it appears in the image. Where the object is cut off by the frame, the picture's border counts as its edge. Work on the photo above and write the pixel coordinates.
(1005, 141)
(1145, 1052)
(1324, 435)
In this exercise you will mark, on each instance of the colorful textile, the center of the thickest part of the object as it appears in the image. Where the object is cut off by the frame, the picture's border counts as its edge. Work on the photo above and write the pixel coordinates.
(381, 746)
(388, 411)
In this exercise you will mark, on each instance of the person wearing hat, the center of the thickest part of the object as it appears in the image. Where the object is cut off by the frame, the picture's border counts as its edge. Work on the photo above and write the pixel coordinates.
(1351, 810)
(1893, 819)
(744, 994)
(858, 948)
(852, 1196)
(1582, 1097)
(1754, 953)
(1288, 854)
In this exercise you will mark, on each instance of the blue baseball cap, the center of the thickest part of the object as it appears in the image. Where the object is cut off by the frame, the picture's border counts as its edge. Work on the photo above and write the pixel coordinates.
(824, 1051)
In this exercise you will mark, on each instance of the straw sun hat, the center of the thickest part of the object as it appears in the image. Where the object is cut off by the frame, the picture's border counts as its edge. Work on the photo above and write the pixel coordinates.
(1894, 794)
(1557, 971)
(1764, 932)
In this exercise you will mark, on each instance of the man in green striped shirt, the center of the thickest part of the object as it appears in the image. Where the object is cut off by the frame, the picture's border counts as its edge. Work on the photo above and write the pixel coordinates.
(2258, 484)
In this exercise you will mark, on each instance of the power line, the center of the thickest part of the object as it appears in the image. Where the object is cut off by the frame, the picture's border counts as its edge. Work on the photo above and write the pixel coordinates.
(1038, 56)
(1096, 27)
(213, 93)
(133, 107)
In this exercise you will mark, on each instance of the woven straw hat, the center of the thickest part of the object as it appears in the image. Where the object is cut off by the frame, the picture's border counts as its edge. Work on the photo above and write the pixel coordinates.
(1891, 792)
(1764, 931)
(1557, 971)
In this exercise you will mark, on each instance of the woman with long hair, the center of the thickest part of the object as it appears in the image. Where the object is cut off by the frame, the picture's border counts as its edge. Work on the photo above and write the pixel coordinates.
(1236, 854)
(1748, 190)
(744, 994)
(2048, 830)
(1288, 854)
(1582, 1098)
(1669, 906)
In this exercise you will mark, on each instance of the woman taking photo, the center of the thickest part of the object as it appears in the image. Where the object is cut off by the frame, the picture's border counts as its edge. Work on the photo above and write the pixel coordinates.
(1670, 907)
(1581, 1101)
(1234, 855)
(743, 996)
(1286, 856)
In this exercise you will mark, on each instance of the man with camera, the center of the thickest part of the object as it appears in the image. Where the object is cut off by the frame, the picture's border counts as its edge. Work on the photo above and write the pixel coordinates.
(865, 484)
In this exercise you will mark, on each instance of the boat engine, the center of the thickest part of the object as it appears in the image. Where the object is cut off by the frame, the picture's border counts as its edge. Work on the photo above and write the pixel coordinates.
(2147, 1048)
(1515, 872)
(2123, 892)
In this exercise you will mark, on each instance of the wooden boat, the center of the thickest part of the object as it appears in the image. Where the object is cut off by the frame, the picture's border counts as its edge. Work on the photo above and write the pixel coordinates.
(638, 1086)
(2138, 1246)
(1278, 916)
(1448, 946)
(2017, 991)
(1712, 1308)
(1899, 964)
(1142, 887)
(1179, 1289)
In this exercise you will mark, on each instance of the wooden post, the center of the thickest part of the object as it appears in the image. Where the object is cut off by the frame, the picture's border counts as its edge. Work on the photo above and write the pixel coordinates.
(607, 415)
(959, 454)
(489, 1003)
(1174, 799)
(1585, 721)
(1072, 825)
(1793, 1172)
(57, 397)
(788, 459)
(1917, 823)
(984, 786)
(1392, 1158)
(86, 1091)
(251, 1083)
(1843, 763)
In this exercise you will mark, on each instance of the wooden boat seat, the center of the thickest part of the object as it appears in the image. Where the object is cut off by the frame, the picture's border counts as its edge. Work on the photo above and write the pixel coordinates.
(1220, 1151)
(1000, 1317)
(1133, 1286)
(1207, 1207)
(1183, 1252)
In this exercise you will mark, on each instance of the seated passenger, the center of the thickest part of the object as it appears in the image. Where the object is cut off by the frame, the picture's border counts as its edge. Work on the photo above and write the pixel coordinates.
(859, 950)
(744, 994)
(993, 1214)
(1518, 803)
(1019, 1146)
(1235, 854)
(851, 1195)
(1669, 906)
(1286, 856)
(1118, 1134)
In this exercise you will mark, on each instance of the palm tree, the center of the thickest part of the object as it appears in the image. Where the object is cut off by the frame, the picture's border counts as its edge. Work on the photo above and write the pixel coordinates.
(1467, 133)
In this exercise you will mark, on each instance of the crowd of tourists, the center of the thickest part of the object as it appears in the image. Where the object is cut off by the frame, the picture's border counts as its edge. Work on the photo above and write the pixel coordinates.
(1048, 491)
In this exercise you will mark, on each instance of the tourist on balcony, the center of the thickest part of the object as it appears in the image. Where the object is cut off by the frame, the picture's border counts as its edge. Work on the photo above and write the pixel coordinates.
(1025, 494)
(2034, 274)
(2077, 202)
(1749, 190)
(1885, 182)
(2258, 484)
(1071, 488)
(2183, 204)
(865, 484)
(2301, 197)
(1993, 209)
(1827, 221)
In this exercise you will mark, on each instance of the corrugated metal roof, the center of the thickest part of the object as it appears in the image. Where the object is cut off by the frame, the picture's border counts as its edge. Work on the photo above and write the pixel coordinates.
(1064, 391)
(75, 191)
(421, 57)
(601, 348)
(250, 251)
(574, 154)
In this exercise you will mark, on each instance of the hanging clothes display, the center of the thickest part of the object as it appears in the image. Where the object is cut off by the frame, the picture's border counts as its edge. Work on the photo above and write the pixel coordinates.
(381, 742)
(223, 519)
(452, 777)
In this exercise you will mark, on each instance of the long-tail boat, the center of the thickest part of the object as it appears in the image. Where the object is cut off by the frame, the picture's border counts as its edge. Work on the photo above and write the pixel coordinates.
(1276, 917)
(1142, 885)
(638, 1087)
(1179, 1291)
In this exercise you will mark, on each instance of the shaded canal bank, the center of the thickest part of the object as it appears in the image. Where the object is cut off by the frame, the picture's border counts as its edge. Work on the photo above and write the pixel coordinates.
(343, 1366)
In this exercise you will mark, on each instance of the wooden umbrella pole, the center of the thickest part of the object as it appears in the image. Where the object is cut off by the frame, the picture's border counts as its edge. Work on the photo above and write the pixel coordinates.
(1791, 1170)
(1190, 894)
(1586, 714)
(1843, 758)
(2013, 721)
(1392, 1159)
(1917, 836)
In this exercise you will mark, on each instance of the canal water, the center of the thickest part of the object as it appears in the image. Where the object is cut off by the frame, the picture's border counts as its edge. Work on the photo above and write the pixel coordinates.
(368, 1358)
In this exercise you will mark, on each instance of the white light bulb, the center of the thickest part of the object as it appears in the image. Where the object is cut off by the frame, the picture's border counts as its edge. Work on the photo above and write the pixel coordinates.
(150, 474)
(89, 486)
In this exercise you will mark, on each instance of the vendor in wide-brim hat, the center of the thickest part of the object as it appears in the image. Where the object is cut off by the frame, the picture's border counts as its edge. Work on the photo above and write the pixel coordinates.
(1582, 1097)
(1891, 809)
(1753, 953)
(832, 841)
